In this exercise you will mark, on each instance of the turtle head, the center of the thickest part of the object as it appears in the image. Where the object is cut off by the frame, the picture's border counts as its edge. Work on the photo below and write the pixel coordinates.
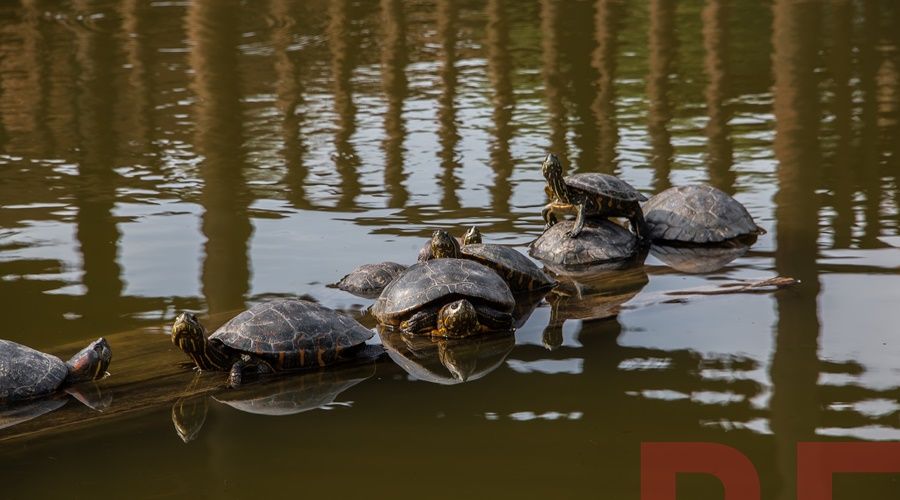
(443, 245)
(472, 236)
(458, 319)
(90, 363)
(553, 173)
(190, 336)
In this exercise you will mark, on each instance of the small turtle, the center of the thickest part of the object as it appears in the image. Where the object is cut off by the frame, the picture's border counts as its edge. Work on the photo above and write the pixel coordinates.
(519, 272)
(274, 336)
(446, 298)
(472, 235)
(590, 195)
(601, 242)
(368, 280)
(698, 214)
(26, 373)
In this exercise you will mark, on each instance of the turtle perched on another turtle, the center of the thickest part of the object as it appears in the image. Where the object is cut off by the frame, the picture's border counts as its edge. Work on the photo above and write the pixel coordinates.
(590, 195)
(519, 272)
(698, 214)
(26, 373)
(601, 242)
(446, 298)
(368, 280)
(274, 336)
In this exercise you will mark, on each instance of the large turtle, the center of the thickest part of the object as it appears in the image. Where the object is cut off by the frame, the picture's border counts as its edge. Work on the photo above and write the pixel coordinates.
(601, 243)
(446, 298)
(279, 335)
(369, 280)
(26, 373)
(519, 272)
(590, 195)
(698, 214)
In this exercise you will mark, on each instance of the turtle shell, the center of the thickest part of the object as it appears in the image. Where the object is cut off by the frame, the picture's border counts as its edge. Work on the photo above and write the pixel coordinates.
(699, 214)
(604, 185)
(298, 332)
(368, 280)
(520, 273)
(26, 373)
(601, 241)
(438, 281)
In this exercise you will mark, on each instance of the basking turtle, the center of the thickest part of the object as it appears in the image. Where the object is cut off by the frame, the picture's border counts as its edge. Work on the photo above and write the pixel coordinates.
(519, 272)
(26, 373)
(601, 242)
(446, 298)
(590, 195)
(472, 235)
(698, 214)
(368, 280)
(274, 336)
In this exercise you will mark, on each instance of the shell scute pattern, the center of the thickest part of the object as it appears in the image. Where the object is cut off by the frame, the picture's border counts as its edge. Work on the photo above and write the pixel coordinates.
(604, 185)
(513, 266)
(292, 326)
(434, 280)
(697, 214)
(26, 373)
(600, 241)
(369, 280)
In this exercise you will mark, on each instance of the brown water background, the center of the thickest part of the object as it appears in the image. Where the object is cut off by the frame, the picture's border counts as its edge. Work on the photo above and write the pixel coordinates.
(160, 156)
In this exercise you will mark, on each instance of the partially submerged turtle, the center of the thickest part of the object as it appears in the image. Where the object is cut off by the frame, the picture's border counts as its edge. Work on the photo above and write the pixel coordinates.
(601, 242)
(368, 280)
(698, 214)
(446, 298)
(274, 336)
(590, 195)
(519, 272)
(26, 373)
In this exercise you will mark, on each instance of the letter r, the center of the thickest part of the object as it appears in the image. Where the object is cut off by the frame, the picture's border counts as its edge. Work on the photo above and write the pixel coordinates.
(661, 462)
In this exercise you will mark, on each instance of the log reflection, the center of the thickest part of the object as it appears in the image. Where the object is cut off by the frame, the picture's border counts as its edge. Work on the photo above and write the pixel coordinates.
(719, 156)
(553, 86)
(448, 132)
(608, 23)
(343, 59)
(393, 78)
(662, 54)
(499, 69)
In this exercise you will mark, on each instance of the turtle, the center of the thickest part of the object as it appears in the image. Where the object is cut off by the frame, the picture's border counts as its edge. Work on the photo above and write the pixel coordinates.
(519, 272)
(26, 373)
(590, 195)
(446, 298)
(447, 361)
(368, 280)
(698, 214)
(472, 235)
(602, 242)
(279, 335)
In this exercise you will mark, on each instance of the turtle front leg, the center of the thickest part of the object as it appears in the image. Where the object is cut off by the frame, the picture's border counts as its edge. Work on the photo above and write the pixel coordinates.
(548, 216)
(235, 375)
(420, 323)
(579, 221)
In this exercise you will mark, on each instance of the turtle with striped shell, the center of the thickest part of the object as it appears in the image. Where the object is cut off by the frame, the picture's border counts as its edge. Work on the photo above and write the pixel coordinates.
(275, 336)
(590, 195)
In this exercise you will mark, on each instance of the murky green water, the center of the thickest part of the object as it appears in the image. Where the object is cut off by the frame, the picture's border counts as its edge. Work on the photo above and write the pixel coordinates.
(159, 156)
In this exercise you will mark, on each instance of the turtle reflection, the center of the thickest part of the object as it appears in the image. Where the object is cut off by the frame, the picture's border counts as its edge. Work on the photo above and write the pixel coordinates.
(284, 395)
(87, 393)
(447, 361)
(590, 295)
(699, 259)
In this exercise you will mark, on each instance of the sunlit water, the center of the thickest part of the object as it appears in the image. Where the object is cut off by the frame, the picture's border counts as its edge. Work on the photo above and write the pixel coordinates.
(161, 156)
